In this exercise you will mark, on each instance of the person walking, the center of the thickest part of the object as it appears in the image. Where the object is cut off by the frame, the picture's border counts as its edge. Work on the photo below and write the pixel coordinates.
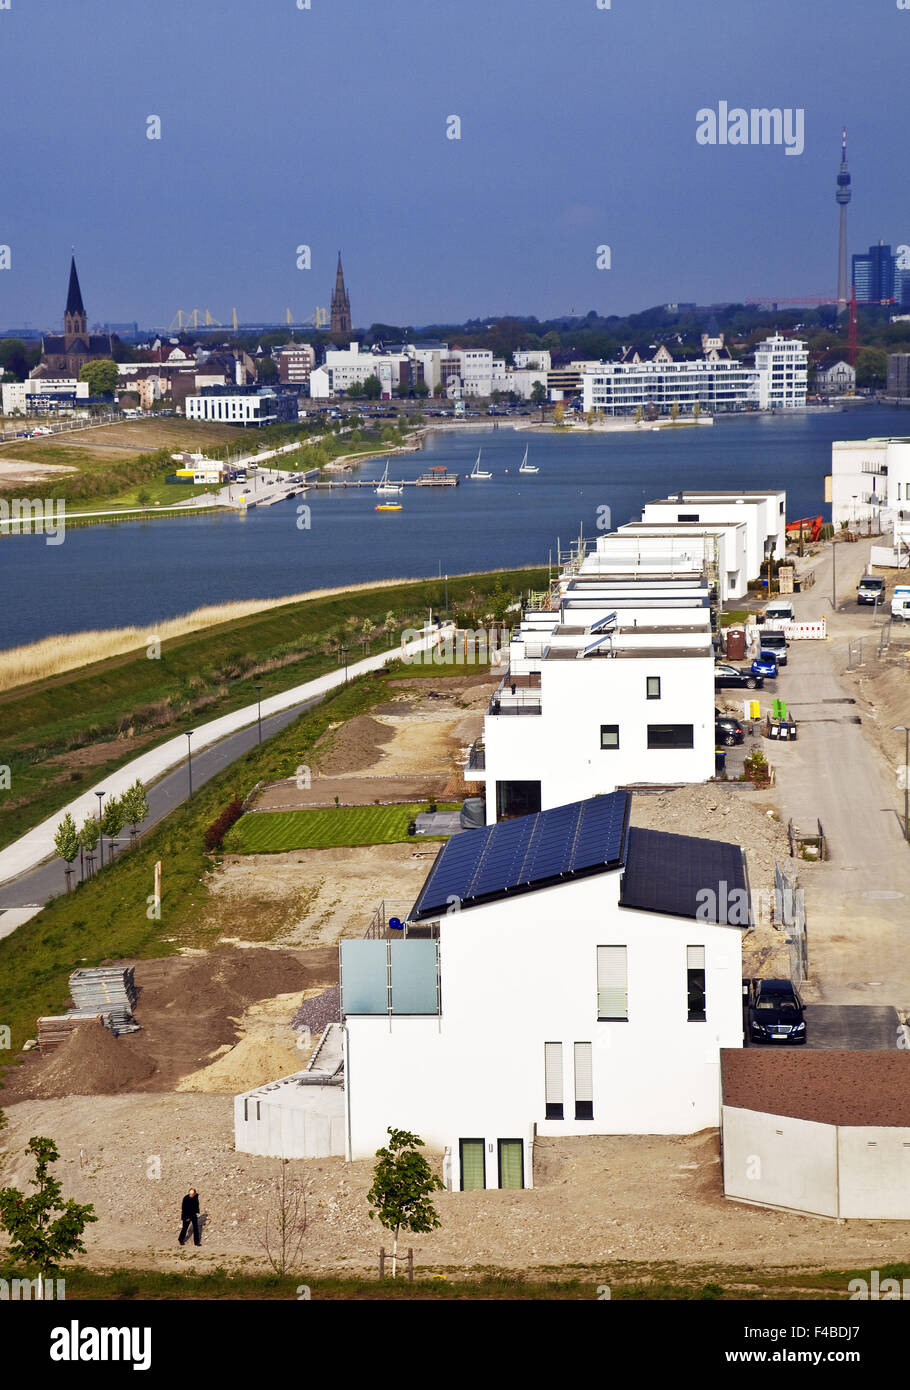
(189, 1213)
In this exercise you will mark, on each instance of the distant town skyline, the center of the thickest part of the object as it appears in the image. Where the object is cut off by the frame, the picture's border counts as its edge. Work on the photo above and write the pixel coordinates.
(467, 169)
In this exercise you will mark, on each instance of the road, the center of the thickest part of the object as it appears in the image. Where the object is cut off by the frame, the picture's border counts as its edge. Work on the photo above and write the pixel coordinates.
(857, 903)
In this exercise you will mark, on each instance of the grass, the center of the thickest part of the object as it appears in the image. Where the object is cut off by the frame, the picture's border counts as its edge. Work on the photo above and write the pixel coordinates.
(271, 832)
(126, 702)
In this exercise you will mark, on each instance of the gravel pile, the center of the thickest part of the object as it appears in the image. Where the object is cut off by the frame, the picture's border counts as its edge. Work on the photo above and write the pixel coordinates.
(92, 1062)
(317, 1013)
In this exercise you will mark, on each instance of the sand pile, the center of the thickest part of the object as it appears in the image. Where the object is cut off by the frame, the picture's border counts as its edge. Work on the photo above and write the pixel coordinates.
(254, 1060)
(93, 1062)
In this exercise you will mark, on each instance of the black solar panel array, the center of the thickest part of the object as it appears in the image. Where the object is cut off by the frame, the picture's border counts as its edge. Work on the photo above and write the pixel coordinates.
(518, 855)
(684, 876)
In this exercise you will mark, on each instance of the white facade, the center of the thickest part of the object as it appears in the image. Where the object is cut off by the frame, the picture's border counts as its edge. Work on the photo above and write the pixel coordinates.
(14, 394)
(531, 359)
(764, 515)
(232, 410)
(717, 551)
(478, 1069)
(617, 388)
(870, 480)
(782, 365)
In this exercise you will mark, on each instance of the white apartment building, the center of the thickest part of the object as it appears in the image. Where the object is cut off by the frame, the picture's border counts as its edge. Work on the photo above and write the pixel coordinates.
(561, 974)
(614, 688)
(782, 368)
(764, 515)
(254, 409)
(870, 480)
(14, 395)
(531, 359)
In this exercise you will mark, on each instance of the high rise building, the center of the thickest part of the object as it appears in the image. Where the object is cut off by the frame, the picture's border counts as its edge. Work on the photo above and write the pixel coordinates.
(844, 195)
(341, 304)
(873, 275)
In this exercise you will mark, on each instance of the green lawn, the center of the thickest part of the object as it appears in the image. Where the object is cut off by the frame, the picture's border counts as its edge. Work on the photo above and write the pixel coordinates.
(272, 832)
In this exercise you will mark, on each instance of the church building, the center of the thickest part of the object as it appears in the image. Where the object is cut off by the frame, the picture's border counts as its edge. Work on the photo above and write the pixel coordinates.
(65, 356)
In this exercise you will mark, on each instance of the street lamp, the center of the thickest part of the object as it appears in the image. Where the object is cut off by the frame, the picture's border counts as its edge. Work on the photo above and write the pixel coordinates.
(259, 708)
(189, 762)
(344, 657)
(100, 796)
(903, 728)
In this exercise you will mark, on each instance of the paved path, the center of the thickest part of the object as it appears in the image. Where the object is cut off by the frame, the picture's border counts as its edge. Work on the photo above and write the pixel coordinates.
(858, 903)
(225, 738)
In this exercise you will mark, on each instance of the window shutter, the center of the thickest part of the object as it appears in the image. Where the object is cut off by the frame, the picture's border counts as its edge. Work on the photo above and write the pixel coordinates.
(695, 957)
(553, 1073)
(612, 982)
(584, 1072)
(510, 1163)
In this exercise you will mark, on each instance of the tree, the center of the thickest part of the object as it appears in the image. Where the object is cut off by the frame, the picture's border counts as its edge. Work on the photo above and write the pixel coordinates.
(559, 412)
(66, 843)
(36, 1240)
(871, 367)
(638, 415)
(88, 837)
(674, 411)
(371, 388)
(696, 410)
(538, 393)
(288, 1214)
(135, 805)
(113, 819)
(402, 1185)
(102, 377)
(266, 370)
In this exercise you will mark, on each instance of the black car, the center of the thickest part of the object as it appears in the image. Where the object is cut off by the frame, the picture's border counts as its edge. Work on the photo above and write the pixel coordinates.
(727, 729)
(775, 1013)
(735, 675)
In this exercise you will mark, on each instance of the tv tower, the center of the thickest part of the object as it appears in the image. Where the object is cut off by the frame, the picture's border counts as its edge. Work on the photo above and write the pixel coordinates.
(843, 197)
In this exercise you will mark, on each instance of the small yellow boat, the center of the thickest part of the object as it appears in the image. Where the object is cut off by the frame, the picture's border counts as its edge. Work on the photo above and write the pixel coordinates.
(387, 507)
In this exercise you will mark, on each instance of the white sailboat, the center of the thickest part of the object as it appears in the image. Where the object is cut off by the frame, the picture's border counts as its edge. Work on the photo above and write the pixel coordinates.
(385, 487)
(477, 471)
(527, 467)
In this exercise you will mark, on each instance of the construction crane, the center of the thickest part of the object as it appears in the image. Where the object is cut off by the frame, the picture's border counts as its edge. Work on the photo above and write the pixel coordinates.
(805, 300)
(192, 318)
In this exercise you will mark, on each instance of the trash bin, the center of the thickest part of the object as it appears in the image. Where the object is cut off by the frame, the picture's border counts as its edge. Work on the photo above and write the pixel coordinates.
(720, 762)
(774, 731)
(792, 729)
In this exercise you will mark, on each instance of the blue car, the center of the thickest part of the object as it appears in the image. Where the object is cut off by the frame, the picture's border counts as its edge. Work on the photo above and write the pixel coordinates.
(765, 664)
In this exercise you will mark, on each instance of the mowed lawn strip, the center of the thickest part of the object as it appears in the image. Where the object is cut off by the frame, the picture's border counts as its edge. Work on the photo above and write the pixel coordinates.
(271, 832)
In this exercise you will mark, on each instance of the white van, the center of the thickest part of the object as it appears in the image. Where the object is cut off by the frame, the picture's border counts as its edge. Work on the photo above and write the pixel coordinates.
(900, 603)
(779, 612)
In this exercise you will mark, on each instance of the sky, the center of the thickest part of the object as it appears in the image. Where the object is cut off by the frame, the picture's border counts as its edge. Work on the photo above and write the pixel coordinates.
(327, 128)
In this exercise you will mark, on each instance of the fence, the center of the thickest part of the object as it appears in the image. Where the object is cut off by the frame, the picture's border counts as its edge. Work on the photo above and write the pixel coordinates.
(793, 918)
(802, 841)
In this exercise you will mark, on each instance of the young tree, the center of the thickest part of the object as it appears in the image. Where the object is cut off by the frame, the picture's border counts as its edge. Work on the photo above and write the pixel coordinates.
(112, 822)
(674, 411)
(135, 806)
(559, 413)
(402, 1185)
(35, 1239)
(66, 843)
(88, 838)
(285, 1222)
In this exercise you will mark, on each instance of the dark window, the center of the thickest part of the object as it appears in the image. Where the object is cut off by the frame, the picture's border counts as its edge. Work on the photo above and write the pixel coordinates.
(609, 735)
(653, 687)
(695, 983)
(687, 516)
(671, 736)
(517, 799)
(584, 1081)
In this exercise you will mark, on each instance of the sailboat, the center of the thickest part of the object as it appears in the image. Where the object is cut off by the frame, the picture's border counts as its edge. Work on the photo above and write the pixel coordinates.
(477, 471)
(385, 487)
(527, 467)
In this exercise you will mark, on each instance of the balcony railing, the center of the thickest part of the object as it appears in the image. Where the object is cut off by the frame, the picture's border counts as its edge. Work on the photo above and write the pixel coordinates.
(510, 696)
(477, 758)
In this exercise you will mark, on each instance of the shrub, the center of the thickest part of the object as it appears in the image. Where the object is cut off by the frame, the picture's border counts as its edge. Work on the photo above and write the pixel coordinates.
(219, 827)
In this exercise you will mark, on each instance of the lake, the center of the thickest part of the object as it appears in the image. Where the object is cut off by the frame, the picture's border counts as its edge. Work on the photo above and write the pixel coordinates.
(139, 572)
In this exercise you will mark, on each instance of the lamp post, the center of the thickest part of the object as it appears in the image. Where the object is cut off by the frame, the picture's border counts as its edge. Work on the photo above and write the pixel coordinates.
(903, 728)
(259, 708)
(344, 658)
(189, 762)
(100, 796)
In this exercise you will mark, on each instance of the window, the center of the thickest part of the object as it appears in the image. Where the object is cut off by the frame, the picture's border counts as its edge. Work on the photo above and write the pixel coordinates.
(609, 735)
(671, 736)
(695, 983)
(584, 1081)
(552, 1065)
(612, 983)
(517, 799)
(511, 1163)
(687, 516)
(653, 687)
(473, 1164)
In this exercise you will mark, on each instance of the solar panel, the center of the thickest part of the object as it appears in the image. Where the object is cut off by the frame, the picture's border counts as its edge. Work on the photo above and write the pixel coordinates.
(452, 872)
(500, 866)
(550, 845)
(676, 873)
(600, 833)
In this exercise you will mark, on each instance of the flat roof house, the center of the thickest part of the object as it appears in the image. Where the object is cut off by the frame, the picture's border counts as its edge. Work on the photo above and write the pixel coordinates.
(561, 974)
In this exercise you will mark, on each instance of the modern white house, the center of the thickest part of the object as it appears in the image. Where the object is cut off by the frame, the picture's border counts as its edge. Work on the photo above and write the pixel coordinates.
(263, 407)
(870, 481)
(782, 369)
(614, 688)
(561, 974)
(763, 513)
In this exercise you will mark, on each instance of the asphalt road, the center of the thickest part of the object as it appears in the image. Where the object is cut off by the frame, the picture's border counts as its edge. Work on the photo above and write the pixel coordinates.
(48, 879)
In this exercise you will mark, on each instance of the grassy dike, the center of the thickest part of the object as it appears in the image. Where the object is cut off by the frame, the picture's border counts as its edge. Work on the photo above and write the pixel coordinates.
(127, 704)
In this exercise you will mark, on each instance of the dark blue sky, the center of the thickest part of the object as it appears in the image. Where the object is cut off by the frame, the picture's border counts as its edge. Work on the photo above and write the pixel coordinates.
(327, 127)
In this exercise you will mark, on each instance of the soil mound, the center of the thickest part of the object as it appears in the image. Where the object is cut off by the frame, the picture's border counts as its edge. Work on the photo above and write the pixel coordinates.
(92, 1062)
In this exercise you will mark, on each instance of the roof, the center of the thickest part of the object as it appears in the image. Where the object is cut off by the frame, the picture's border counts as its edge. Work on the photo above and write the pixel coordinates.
(74, 303)
(836, 1088)
(675, 873)
(522, 855)
(84, 343)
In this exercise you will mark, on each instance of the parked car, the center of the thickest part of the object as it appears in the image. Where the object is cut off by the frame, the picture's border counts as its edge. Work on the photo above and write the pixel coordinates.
(725, 675)
(765, 665)
(776, 644)
(776, 1013)
(871, 589)
(727, 729)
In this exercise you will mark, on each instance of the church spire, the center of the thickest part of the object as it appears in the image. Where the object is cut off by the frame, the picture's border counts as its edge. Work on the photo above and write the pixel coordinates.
(341, 304)
(75, 322)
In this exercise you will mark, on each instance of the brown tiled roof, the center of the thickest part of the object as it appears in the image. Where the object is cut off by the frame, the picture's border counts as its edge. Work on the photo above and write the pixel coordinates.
(835, 1088)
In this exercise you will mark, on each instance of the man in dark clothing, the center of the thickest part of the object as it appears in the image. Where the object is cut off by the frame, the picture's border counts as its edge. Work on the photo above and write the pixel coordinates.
(189, 1212)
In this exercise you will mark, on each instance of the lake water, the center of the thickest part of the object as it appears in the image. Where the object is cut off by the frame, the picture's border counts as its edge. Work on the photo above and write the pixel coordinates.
(140, 572)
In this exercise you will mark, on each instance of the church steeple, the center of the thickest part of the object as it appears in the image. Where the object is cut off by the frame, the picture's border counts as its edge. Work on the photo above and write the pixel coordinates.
(341, 304)
(75, 322)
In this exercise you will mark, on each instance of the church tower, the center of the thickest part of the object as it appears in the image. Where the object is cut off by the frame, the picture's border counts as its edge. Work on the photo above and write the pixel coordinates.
(341, 304)
(75, 322)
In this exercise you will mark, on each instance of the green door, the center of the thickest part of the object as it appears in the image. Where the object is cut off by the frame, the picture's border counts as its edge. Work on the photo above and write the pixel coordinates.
(511, 1163)
(473, 1167)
